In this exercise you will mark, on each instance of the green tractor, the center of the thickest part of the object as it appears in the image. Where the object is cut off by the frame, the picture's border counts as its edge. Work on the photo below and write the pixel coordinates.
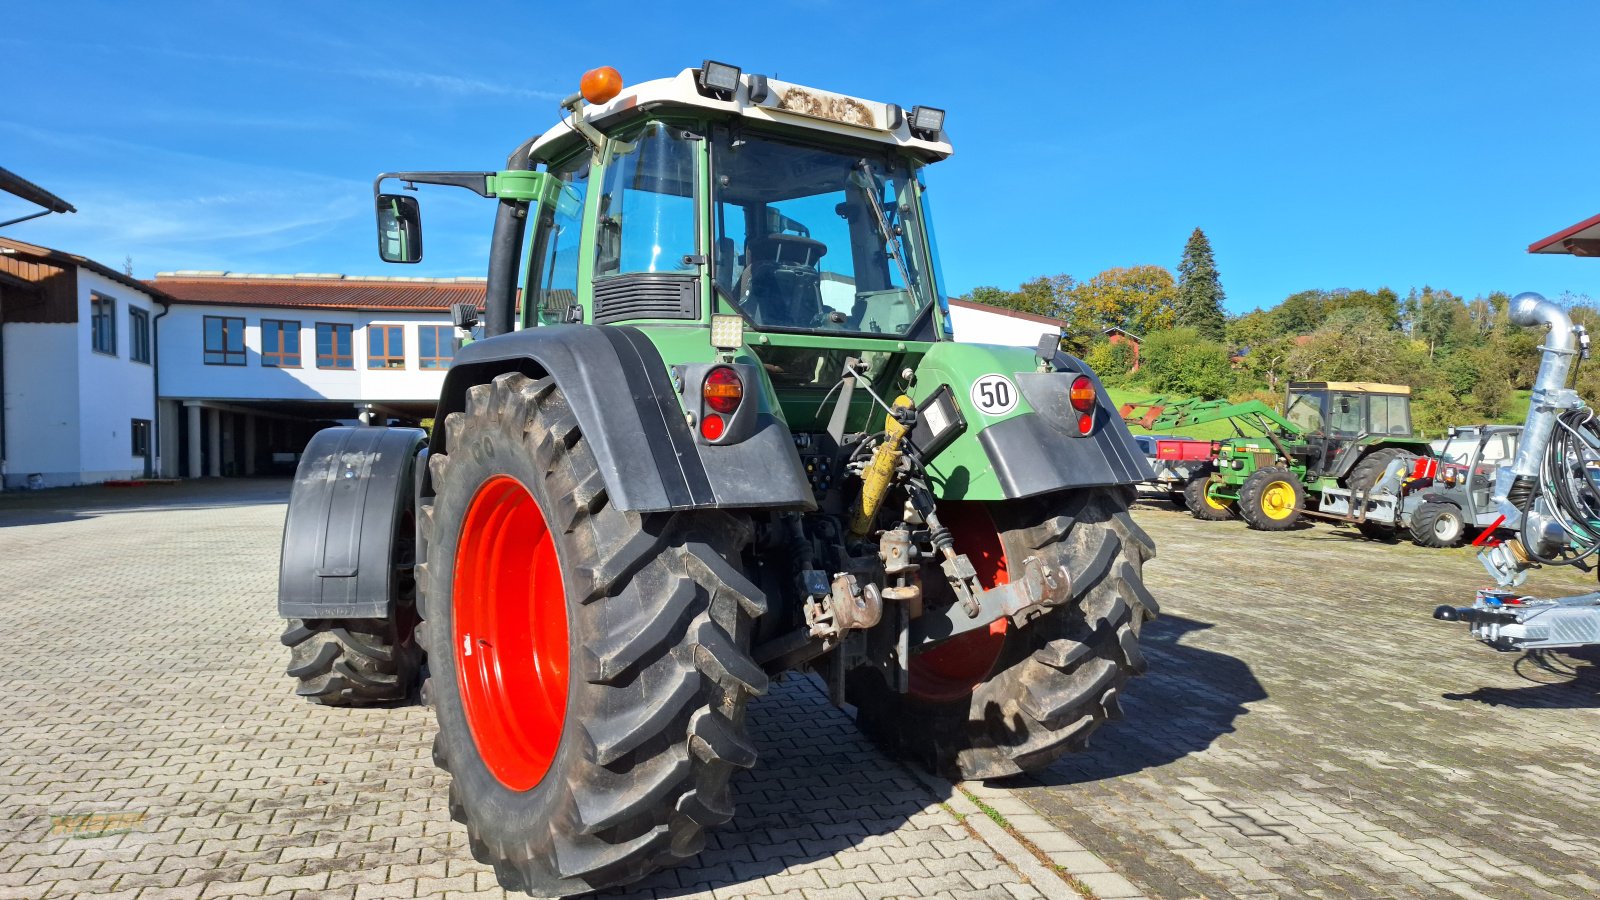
(716, 430)
(1331, 434)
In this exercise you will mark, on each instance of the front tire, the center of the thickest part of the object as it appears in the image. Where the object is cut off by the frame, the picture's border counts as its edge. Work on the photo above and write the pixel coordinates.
(353, 662)
(1202, 505)
(1009, 700)
(1438, 524)
(590, 666)
(1271, 499)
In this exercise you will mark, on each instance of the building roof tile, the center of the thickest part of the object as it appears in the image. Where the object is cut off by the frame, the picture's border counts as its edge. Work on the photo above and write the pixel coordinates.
(320, 291)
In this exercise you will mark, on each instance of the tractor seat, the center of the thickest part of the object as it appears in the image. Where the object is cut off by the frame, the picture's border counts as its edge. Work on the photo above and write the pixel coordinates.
(783, 284)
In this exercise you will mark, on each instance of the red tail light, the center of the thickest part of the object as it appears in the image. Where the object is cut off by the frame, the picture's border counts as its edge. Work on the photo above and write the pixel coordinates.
(712, 426)
(1082, 394)
(1086, 423)
(723, 391)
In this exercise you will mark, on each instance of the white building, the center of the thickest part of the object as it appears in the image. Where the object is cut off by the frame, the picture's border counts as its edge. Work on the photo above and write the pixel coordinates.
(251, 365)
(980, 323)
(246, 367)
(77, 373)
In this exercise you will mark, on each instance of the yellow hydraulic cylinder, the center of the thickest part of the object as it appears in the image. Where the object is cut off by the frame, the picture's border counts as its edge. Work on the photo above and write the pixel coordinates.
(879, 474)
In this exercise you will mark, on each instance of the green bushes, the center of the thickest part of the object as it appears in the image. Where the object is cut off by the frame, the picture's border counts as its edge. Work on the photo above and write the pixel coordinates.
(1180, 361)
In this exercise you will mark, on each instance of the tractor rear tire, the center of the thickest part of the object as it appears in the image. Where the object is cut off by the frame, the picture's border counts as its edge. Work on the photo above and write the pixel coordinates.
(1202, 505)
(1364, 475)
(1045, 686)
(352, 662)
(1438, 524)
(1271, 499)
(587, 753)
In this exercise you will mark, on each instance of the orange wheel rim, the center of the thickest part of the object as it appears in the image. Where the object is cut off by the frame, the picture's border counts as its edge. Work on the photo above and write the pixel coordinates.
(510, 628)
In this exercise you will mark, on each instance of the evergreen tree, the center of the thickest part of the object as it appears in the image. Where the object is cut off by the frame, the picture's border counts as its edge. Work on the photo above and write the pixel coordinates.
(1200, 293)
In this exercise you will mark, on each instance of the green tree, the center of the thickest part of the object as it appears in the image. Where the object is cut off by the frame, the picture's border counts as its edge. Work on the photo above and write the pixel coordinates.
(1138, 298)
(1199, 294)
(1353, 345)
(1180, 361)
(1111, 361)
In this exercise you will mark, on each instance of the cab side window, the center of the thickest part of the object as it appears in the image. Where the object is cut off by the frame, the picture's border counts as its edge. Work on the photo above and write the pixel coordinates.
(553, 269)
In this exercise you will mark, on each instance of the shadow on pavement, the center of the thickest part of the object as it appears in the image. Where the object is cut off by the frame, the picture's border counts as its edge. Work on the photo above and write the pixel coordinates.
(1190, 697)
(73, 504)
(1556, 680)
(818, 789)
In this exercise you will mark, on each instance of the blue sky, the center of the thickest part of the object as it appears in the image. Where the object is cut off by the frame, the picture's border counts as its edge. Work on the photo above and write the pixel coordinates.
(1319, 145)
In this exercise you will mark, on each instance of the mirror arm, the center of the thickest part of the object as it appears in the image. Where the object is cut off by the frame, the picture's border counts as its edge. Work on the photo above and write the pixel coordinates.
(476, 182)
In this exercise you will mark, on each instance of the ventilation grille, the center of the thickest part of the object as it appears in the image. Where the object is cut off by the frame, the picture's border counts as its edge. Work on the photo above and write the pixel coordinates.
(645, 296)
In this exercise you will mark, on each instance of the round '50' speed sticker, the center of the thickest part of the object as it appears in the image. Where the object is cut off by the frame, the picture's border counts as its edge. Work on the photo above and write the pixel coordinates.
(994, 395)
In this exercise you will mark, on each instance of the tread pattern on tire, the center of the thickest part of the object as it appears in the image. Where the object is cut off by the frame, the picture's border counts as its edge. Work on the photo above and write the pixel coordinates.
(1426, 519)
(1253, 490)
(660, 619)
(1364, 474)
(350, 662)
(1195, 499)
(1061, 675)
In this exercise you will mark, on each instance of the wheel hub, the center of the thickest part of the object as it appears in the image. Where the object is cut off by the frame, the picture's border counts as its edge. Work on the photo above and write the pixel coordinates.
(954, 668)
(510, 629)
(1277, 501)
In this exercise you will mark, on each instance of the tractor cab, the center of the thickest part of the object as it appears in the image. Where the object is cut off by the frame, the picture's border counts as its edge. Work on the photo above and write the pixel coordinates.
(1341, 419)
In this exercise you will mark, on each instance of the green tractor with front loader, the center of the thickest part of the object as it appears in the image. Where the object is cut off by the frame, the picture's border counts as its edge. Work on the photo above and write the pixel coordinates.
(716, 429)
(1330, 435)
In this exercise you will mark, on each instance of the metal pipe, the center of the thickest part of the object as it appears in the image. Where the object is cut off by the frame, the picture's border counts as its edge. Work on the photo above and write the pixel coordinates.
(1559, 349)
(505, 255)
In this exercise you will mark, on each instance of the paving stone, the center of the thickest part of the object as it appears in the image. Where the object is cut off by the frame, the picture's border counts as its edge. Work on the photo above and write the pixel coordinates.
(1306, 729)
(161, 695)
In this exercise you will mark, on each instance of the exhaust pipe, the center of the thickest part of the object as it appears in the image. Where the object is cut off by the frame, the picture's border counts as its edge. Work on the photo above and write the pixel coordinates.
(1559, 349)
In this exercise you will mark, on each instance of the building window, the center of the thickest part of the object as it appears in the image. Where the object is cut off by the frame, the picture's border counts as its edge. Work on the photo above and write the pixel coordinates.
(386, 347)
(335, 347)
(436, 346)
(141, 437)
(280, 343)
(103, 323)
(224, 341)
(138, 334)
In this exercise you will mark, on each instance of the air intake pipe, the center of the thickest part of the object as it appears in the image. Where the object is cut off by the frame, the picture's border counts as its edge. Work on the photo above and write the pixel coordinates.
(1559, 349)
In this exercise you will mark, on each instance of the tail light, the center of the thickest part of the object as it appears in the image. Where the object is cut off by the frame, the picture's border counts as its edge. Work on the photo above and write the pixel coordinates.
(1083, 400)
(1083, 394)
(722, 393)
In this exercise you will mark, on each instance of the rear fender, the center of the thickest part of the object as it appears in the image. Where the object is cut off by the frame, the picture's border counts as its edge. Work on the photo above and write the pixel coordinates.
(622, 394)
(350, 512)
(1034, 446)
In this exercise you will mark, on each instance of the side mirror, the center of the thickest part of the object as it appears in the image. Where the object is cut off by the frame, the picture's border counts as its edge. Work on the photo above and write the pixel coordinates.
(399, 228)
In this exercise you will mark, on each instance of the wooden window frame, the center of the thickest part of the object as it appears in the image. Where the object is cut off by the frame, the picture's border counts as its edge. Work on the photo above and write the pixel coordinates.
(382, 362)
(337, 362)
(281, 358)
(444, 337)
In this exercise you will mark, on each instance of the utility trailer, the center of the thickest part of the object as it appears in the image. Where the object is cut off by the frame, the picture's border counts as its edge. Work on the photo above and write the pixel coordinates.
(1176, 461)
(716, 431)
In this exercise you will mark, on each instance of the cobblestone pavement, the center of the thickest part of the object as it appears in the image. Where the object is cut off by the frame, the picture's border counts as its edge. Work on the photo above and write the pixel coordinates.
(145, 698)
(1307, 730)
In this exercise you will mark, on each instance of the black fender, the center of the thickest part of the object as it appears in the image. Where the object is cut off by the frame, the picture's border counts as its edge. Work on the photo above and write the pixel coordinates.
(351, 509)
(628, 410)
(1043, 451)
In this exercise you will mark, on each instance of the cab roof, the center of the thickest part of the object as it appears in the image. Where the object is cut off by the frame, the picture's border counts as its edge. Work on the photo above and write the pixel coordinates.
(1354, 387)
(784, 103)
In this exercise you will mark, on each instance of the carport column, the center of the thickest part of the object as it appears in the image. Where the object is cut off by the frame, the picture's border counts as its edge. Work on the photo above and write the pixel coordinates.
(249, 444)
(194, 439)
(214, 436)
